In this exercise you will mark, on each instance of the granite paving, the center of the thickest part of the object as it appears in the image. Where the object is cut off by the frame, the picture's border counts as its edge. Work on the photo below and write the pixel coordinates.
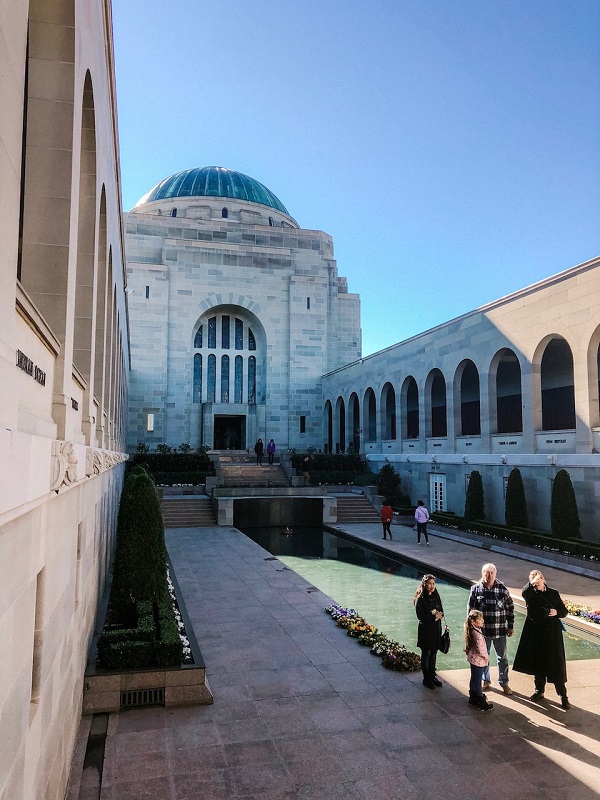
(302, 712)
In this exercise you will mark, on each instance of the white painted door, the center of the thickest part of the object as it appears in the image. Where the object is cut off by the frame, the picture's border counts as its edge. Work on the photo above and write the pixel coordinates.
(437, 492)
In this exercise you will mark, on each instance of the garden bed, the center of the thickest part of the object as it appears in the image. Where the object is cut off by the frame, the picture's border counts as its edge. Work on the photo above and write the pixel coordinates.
(111, 690)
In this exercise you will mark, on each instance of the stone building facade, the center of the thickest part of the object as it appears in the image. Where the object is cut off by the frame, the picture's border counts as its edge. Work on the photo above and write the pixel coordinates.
(512, 384)
(63, 373)
(236, 313)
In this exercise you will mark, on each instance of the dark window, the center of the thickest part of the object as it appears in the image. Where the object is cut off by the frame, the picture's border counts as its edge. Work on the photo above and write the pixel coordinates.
(251, 340)
(271, 221)
(174, 212)
(238, 379)
(308, 302)
(252, 380)
(198, 338)
(225, 327)
(147, 292)
(225, 213)
(197, 378)
(212, 332)
(224, 379)
(302, 424)
(211, 379)
(239, 334)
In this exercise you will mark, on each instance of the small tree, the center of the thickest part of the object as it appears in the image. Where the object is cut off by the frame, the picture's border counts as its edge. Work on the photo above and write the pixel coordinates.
(515, 506)
(564, 517)
(389, 485)
(140, 555)
(474, 506)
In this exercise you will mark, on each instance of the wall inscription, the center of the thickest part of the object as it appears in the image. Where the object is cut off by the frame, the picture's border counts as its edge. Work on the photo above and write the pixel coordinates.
(27, 365)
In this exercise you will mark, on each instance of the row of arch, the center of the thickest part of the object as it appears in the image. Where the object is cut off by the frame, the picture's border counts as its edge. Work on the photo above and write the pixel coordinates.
(459, 404)
(79, 292)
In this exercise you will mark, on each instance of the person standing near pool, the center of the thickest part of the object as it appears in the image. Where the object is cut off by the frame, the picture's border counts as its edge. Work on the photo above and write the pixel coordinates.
(387, 515)
(493, 599)
(541, 650)
(428, 606)
(422, 518)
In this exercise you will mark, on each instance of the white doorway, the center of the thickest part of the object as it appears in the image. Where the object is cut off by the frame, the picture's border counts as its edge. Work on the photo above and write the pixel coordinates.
(437, 492)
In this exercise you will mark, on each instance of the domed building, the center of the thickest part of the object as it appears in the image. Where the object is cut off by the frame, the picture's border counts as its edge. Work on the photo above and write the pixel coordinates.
(236, 314)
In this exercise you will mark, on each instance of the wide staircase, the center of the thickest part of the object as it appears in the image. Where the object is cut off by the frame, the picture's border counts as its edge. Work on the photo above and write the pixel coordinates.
(235, 469)
(188, 512)
(355, 508)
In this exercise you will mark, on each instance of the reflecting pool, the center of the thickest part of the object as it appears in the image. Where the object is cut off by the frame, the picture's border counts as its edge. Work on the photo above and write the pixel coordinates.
(381, 589)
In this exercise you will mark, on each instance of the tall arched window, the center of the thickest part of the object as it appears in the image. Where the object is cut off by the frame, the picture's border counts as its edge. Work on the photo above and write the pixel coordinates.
(211, 382)
(212, 332)
(225, 329)
(412, 409)
(388, 420)
(509, 404)
(239, 379)
(558, 388)
(470, 417)
(197, 392)
(439, 416)
(198, 339)
(252, 380)
(224, 379)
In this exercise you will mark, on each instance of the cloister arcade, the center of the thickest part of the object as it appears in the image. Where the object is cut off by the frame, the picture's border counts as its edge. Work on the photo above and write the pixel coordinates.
(505, 403)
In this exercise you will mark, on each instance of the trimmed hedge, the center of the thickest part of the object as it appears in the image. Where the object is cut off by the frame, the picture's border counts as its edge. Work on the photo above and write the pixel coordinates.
(173, 462)
(154, 642)
(564, 517)
(574, 547)
(192, 477)
(335, 462)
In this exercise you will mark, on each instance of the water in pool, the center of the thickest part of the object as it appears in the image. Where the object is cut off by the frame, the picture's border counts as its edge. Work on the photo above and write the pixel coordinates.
(382, 589)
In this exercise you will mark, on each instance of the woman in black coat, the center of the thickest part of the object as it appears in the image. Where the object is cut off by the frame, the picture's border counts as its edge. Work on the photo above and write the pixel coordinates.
(428, 606)
(541, 651)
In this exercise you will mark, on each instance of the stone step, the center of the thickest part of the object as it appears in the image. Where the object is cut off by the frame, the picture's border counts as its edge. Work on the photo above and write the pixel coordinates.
(356, 509)
(188, 513)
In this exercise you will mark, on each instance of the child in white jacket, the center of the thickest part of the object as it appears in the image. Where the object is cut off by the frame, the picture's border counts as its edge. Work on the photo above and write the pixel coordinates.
(478, 657)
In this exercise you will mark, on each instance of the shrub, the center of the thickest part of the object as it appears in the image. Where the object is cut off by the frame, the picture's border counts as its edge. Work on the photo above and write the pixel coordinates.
(564, 517)
(173, 462)
(140, 555)
(364, 479)
(474, 506)
(515, 507)
(389, 485)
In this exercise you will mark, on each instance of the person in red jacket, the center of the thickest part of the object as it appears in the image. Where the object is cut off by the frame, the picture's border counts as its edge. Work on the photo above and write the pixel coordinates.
(386, 519)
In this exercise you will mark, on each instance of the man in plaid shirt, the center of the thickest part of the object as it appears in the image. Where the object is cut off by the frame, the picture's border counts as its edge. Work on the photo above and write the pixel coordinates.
(493, 599)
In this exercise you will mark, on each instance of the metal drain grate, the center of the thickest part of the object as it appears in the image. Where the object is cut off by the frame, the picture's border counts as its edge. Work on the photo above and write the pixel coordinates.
(143, 697)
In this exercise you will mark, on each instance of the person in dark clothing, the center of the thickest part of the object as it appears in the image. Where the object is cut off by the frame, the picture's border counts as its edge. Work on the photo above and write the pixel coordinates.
(428, 606)
(387, 515)
(259, 450)
(271, 450)
(541, 650)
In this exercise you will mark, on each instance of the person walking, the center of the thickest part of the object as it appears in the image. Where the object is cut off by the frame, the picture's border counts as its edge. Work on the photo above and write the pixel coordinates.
(493, 599)
(387, 515)
(259, 449)
(429, 610)
(541, 650)
(422, 518)
(270, 450)
(478, 658)
(305, 470)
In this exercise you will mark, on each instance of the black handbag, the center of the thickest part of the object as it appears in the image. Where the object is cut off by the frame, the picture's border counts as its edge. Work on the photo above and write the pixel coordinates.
(445, 640)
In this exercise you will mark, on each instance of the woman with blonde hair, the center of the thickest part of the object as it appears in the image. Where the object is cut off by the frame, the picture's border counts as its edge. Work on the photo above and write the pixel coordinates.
(478, 658)
(541, 650)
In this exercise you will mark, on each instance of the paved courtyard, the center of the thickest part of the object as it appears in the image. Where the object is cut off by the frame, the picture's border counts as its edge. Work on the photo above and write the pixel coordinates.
(302, 712)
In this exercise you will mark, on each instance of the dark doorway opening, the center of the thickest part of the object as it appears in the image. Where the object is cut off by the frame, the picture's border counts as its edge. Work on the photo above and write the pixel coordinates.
(230, 432)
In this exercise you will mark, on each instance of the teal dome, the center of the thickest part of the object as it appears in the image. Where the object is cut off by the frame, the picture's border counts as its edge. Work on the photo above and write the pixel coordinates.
(213, 182)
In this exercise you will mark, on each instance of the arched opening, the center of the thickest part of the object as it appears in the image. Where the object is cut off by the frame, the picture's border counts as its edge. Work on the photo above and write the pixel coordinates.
(354, 423)
(224, 213)
(328, 427)
(340, 424)
(438, 411)
(558, 387)
(388, 408)
(470, 416)
(411, 404)
(509, 401)
(370, 416)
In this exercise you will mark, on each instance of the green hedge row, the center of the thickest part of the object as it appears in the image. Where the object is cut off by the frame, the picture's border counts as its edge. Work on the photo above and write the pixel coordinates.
(192, 477)
(172, 462)
(334, 462)
(574, 547)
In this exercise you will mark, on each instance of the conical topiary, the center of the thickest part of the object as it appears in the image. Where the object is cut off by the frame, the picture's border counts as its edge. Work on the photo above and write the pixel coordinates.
(388, 482)
(140, 557)
(564, 517)
(474, 506)
(515, 506)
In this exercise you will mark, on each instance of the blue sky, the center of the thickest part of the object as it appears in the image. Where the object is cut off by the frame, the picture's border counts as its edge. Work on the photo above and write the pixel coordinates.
(450, 147)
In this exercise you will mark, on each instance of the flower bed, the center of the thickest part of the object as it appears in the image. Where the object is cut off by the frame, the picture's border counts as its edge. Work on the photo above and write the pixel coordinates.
(585, 612)
(393, 654)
